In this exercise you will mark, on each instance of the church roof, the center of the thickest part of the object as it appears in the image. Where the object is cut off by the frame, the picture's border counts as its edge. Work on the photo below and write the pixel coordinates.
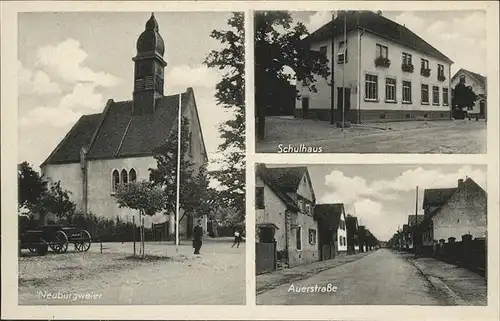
(116, 132)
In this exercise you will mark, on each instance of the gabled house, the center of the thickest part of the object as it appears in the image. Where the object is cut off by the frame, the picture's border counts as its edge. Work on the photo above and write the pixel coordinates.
(453, 212)
(285, 204)
(478, 84)
(382, 71)
(362, 238)
(411, 231)
(116, 146)
(352, 234)
(332, 229)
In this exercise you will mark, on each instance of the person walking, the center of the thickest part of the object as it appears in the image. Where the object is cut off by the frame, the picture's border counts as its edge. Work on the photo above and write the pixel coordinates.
(197, 237)
(237, 239)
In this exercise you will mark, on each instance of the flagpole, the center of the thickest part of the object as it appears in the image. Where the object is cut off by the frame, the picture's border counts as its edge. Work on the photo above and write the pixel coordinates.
(178, 175)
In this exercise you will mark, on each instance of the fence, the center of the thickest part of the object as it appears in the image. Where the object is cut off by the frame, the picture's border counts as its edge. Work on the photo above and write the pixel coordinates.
(470, 254)
(107, 230)
(265, 257)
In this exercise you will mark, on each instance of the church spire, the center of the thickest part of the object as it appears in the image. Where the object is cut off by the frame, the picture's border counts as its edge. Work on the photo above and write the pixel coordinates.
(149, 68)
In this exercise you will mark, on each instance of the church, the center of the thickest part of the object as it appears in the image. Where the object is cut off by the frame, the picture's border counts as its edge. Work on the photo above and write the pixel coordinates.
(116, 146)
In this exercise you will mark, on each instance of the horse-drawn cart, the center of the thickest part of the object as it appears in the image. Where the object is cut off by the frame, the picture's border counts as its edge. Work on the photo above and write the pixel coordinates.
(57, 237)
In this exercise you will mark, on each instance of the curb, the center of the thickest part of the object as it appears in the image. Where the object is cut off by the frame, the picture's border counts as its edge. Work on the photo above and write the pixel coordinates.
(439, 285)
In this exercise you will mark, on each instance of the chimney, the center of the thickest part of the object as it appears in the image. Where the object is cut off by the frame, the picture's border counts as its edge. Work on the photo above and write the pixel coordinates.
(460, 182)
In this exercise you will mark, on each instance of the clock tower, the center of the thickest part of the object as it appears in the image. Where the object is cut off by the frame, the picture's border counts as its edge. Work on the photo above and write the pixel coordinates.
(149, 69)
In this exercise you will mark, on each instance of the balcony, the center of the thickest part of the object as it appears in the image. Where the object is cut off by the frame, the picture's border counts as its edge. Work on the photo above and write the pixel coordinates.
(407, 67)
(382, 62)
(426, 72)
(441, 78)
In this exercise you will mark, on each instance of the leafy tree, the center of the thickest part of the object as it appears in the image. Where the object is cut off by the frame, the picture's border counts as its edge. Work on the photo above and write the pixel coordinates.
(38, 198)
(193, 180)
(278, 44)
(30, 185)
(463, 96)
(143, 197)
(56, 201)
(230, 94)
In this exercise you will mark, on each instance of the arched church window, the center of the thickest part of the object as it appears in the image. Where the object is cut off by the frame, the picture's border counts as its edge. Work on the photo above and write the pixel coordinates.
(132, 175)
(124, 177)
(115, 180)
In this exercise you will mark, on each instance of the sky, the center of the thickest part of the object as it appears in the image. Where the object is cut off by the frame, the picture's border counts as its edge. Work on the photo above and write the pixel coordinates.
(460, 35)
(70, 64)
(382, 196)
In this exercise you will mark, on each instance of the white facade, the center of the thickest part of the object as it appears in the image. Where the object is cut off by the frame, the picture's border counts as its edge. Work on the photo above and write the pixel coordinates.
(361, 55)
(273, 213)
(464, 213)
(342, 234)
(100, 196)
(297, 230)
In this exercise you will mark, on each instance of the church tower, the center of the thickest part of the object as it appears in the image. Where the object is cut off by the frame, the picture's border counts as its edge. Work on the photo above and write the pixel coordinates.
(149, 69)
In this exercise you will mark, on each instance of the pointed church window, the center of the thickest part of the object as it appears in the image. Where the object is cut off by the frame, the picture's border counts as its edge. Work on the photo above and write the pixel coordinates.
(116, 180)
(124, 177)
(132, 175)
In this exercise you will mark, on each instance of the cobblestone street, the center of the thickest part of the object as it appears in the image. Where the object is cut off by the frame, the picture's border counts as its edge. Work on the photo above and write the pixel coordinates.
(436, 137)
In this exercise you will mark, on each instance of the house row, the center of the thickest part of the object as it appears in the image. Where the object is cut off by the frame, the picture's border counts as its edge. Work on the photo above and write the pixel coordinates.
(449, 213)
(382, 71)
(296, 228)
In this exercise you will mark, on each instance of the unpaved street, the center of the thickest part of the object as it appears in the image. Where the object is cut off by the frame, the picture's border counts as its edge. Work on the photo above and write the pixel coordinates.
(380, 278)
(438, 137)
(215, 277)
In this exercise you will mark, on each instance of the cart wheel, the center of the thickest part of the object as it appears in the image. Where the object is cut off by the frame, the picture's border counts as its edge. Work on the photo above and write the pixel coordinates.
(43, 248)
(83, 244)
(60, 242)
